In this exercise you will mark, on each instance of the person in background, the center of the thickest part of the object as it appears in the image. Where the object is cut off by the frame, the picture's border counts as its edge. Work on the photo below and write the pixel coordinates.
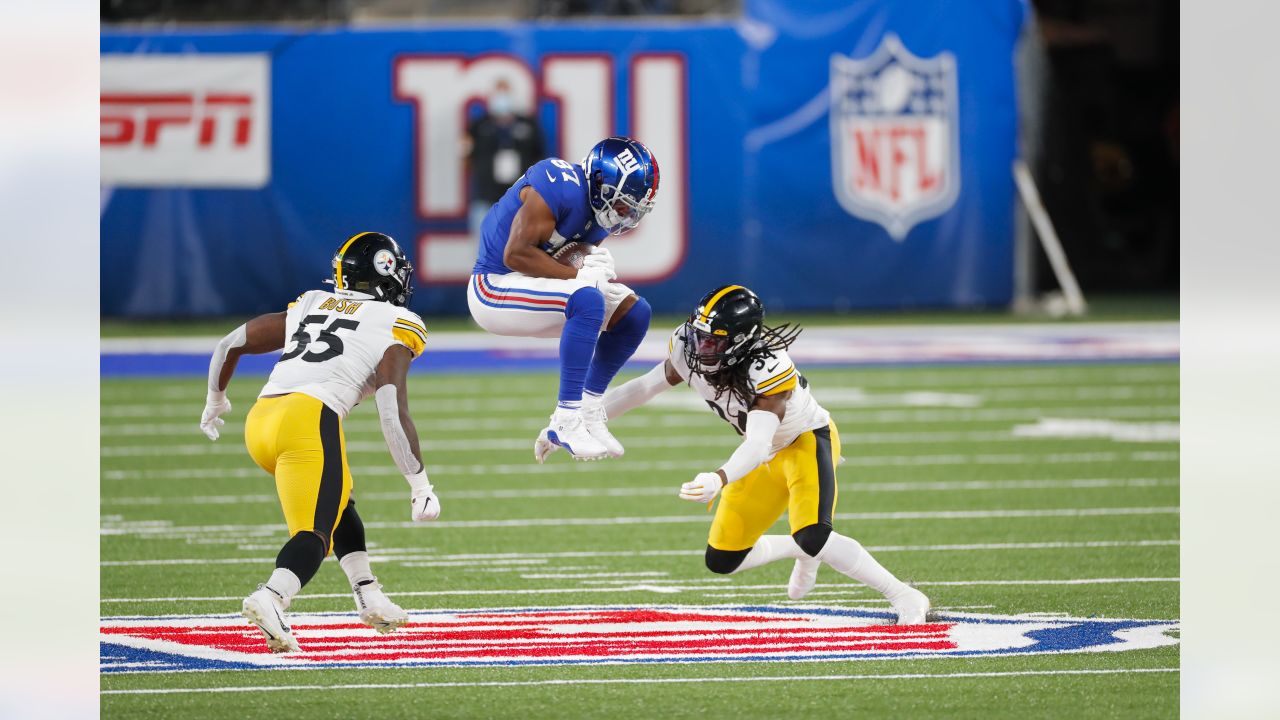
(499, 145)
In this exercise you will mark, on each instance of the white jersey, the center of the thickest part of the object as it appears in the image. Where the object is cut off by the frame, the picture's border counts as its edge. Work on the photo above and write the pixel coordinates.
(772, 374)
(333, 344)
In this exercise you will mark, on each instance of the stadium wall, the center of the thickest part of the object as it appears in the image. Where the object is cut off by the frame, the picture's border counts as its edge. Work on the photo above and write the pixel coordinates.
(844, 156)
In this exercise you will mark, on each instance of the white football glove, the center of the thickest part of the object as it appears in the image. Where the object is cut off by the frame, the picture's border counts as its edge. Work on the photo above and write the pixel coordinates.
(597, 276)
(615, 293)
(702, 489)
(423, 503)
(600, 257)
(214, 405)
(542, 447)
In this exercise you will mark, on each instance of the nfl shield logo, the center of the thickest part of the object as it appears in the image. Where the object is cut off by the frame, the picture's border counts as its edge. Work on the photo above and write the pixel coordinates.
(895, 145)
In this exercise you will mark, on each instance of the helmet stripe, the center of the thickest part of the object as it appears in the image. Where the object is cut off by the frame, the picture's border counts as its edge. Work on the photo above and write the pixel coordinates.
(706, 309)
(337, 262)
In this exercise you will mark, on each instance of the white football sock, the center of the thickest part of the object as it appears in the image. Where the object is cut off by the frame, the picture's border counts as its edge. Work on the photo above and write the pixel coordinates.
(847, 556)
(285, 584)
(356, 566)
(769, 548)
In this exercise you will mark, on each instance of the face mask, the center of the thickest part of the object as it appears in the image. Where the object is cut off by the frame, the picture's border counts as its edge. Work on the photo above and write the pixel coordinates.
(500, 104)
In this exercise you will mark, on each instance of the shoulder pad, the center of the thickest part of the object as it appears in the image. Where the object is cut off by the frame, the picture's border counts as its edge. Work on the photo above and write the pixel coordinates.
(409, 330)
(773, 375)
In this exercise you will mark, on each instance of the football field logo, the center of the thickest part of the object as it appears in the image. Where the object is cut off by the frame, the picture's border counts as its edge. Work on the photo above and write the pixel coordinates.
(895, 145)
(606, 635)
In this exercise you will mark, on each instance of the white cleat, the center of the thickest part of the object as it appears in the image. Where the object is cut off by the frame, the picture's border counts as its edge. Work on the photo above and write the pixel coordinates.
(912, 607)
(542, 447)
(594, 417)
(803, 577)
(265, 609)
(569, 431)
(376, 609)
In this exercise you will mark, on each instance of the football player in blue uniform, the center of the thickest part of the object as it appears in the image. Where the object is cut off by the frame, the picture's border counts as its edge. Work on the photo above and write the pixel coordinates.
(519, 288)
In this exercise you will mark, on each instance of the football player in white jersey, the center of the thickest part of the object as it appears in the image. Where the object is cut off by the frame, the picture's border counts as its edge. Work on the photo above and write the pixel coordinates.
(787, 459)
(341, 346)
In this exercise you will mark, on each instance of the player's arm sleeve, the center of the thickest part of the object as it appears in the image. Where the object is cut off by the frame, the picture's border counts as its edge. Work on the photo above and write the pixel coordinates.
(407, 461)
(636, 392)
(234, 339)
(756, 444)
(409, 330)
(393, 411)
(261, 334)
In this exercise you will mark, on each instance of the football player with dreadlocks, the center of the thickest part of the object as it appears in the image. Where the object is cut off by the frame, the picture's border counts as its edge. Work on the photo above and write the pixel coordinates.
(788, 456)
(343, 346)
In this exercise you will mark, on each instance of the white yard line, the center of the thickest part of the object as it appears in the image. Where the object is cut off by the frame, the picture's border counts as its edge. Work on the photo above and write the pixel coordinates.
(162, 527)
(723, 439)
(379, 447)
(654, 419)
(555, 468)
(833, 397)
(432, 559)
(848, 486)
(639, 681)
(660, 587)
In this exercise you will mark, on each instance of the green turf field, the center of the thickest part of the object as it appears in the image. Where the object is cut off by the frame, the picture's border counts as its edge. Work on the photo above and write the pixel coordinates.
(936, 484)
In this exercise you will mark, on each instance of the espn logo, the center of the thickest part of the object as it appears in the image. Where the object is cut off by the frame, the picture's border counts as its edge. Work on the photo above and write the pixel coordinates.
(186, 121)
(141, 117)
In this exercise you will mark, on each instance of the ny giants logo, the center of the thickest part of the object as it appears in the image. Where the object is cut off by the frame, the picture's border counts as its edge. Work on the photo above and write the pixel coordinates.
(586, 92)
(895, 148)
(606, 635)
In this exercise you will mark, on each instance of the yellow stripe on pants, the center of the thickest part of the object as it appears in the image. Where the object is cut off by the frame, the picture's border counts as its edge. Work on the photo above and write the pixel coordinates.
(800, 479)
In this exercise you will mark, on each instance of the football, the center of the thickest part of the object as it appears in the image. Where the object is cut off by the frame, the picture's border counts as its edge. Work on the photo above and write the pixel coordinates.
(572, 254)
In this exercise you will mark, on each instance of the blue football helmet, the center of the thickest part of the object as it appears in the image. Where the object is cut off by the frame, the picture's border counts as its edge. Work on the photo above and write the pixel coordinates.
(622, 183)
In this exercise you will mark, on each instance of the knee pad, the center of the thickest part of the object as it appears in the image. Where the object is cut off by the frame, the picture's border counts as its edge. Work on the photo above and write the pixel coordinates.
(812, 538)
(587, 302)
(723, 562)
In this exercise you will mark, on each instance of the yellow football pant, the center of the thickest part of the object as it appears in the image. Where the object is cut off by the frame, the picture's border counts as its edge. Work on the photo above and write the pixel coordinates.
(299, 440)
(800, 479)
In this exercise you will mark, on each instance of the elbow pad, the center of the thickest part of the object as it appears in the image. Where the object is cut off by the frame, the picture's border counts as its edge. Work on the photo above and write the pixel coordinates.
(393, 431)
(636, 392)
(756, 444)
(236, 338)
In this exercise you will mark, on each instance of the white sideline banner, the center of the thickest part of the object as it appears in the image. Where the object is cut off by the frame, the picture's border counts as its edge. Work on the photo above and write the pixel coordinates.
(186, 120)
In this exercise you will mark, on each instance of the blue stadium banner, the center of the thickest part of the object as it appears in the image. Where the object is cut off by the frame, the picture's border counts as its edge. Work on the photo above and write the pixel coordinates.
(840, 156)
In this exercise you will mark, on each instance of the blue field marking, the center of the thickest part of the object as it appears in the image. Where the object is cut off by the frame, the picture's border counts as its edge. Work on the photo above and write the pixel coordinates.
(115, 658)
(825, 347)
(1060, 635)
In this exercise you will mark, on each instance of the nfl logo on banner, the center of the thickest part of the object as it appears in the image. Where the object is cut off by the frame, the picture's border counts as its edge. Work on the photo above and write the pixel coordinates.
(895, 145)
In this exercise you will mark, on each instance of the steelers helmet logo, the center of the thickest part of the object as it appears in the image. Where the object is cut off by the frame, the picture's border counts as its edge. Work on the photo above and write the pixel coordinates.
(384, 262)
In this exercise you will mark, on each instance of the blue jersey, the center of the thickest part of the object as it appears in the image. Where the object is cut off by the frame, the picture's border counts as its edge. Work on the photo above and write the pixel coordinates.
(563, 185)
